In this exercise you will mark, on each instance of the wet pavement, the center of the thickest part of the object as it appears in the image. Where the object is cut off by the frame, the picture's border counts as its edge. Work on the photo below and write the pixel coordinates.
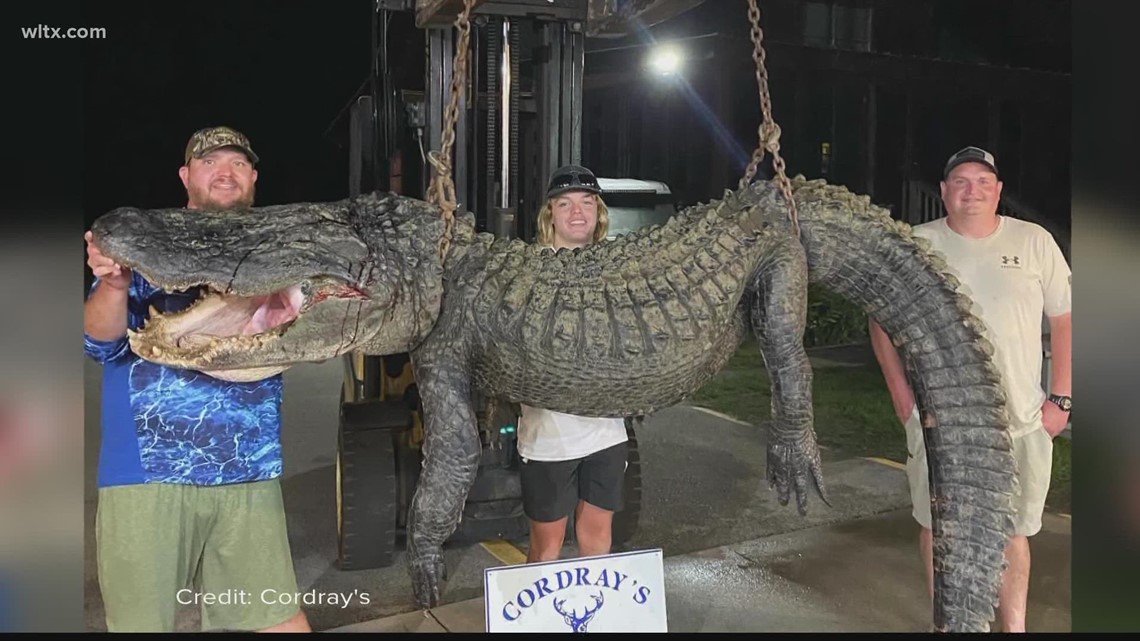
(858, 575)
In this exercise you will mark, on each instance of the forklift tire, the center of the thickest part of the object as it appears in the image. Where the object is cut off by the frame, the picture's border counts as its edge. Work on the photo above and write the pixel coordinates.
(627, 519)
(366, 498)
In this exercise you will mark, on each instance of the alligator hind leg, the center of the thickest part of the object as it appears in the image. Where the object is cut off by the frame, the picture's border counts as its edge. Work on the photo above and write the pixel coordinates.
(451, 452)
(778, 318)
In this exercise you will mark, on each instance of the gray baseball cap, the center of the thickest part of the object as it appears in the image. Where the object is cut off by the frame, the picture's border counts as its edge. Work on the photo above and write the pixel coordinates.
(970, 154)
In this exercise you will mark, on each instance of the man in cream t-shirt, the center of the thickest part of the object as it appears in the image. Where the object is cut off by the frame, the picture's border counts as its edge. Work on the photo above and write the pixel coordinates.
(1015, 274)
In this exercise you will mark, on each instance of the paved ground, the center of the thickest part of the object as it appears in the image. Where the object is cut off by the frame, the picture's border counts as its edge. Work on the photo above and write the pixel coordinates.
(859, 575)
(734, 559)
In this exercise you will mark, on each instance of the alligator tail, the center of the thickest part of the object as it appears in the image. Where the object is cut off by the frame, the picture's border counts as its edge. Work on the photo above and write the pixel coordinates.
(859, 252)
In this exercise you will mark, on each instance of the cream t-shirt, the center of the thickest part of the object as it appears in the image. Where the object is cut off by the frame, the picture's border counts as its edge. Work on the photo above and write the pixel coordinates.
(1014, 276)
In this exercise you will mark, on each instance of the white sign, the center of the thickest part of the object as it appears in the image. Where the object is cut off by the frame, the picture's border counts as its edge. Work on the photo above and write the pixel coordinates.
(622, 592)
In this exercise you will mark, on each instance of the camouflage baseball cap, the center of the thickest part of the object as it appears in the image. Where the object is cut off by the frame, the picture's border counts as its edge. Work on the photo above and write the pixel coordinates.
(206, 140)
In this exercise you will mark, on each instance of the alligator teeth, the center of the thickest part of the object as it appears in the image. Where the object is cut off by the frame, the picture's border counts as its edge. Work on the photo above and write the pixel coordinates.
(196, 341)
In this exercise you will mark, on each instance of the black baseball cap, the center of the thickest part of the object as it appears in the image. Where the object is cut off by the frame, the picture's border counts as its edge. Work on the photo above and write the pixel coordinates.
(572, 178)
(970, 154)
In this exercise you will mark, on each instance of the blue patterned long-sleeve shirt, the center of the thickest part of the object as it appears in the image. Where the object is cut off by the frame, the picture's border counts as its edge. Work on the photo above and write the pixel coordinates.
(167, 425)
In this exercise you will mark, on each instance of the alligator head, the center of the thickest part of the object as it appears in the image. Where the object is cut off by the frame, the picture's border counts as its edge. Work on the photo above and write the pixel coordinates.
(274, 280)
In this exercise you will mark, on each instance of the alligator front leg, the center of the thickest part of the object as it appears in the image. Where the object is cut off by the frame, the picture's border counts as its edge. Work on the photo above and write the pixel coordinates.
(778, 318)
(451, 453)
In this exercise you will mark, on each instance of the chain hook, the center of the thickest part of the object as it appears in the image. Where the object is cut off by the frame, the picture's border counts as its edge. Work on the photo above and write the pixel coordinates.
(441, 190)
(768, 131)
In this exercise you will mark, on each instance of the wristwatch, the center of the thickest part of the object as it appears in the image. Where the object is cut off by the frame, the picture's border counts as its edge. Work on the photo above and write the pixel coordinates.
(1063, 402)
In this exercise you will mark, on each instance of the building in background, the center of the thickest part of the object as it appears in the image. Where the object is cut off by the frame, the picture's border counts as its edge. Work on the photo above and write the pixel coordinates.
(870, 94)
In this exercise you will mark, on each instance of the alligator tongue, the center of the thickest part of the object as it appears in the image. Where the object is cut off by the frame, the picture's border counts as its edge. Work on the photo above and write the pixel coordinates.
(273, 310)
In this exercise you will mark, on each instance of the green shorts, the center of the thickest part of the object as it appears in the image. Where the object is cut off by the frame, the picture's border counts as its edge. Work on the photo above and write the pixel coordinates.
(1033, 452)
(222, 549)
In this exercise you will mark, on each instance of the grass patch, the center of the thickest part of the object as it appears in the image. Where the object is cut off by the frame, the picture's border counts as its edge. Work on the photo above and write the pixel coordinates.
(854, 416)
(1060, 497)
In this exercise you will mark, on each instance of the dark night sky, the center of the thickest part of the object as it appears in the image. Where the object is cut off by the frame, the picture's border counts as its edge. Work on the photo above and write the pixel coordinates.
(278, 71)
(283, 71)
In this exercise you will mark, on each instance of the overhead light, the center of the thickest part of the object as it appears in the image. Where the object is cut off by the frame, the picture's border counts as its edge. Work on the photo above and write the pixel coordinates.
(665, 60)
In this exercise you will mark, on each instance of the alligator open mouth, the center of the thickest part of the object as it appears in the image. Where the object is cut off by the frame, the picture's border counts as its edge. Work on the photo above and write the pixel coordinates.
(217, 323)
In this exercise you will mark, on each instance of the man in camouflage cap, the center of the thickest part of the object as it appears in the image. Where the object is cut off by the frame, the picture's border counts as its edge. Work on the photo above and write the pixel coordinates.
(219, 169)
(181, 449)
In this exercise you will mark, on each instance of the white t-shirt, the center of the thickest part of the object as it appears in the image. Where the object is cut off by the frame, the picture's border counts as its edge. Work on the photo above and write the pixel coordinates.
(545, 435)
(1014, 276)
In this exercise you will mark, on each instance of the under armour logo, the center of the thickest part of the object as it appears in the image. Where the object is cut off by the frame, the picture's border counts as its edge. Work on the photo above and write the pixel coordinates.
(1005, 260)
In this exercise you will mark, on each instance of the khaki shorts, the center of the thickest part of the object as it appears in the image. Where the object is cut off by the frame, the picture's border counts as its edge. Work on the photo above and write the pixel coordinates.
(1034, 454)
(222, 549)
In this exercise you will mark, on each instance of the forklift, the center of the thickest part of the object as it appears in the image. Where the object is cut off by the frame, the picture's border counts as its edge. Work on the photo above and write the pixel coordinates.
(519, 118)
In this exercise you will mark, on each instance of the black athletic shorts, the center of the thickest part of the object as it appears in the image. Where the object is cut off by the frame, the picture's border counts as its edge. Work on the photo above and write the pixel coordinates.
(551, 489)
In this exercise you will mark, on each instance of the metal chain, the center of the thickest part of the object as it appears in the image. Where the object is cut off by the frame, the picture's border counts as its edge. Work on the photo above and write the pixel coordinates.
(441, 191)
(769, 131)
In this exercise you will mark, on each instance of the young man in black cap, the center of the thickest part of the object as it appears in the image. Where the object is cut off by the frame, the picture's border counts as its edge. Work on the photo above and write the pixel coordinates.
(571, 463)
(1014, 272)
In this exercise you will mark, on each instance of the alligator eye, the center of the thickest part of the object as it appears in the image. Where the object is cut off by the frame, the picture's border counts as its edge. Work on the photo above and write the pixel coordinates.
(306, 287)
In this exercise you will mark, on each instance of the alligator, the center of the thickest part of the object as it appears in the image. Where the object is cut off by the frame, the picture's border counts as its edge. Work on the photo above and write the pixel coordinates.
(620, 328)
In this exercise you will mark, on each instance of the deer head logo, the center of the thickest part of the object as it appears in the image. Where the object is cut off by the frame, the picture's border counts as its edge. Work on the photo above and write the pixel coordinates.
(578, 623)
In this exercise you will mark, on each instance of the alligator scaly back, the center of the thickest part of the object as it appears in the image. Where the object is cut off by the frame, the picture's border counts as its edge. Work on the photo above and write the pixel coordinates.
(646, 318)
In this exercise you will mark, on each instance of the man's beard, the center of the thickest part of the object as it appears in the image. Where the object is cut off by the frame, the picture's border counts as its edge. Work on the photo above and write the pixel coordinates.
(206, 201)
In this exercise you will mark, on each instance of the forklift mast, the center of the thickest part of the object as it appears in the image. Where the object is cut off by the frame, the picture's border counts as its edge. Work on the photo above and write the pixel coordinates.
(519, 117)
(518, 120)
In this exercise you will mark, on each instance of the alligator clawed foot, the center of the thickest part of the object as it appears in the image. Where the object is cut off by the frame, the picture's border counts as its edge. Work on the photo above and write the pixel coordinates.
(428, 571)
(794, 463)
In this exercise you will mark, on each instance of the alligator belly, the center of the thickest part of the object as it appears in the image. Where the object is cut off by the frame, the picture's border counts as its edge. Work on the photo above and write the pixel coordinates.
(610, 384)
